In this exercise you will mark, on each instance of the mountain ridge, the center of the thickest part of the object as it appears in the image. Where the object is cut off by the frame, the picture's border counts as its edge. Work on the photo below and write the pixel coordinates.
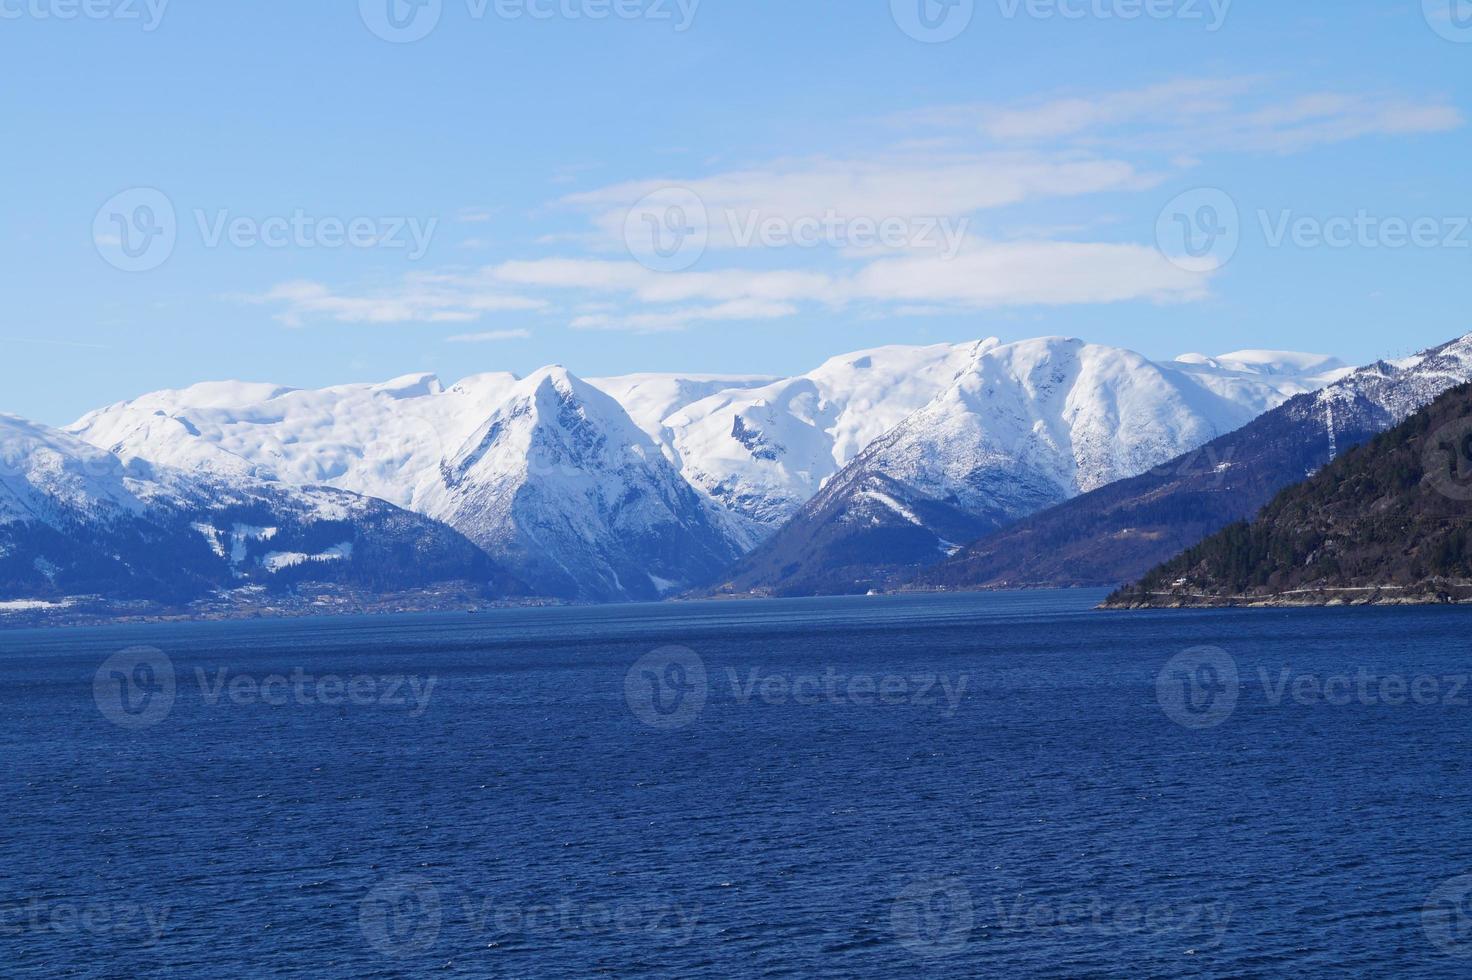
(1118, 532)
(633, 487)
(1024, 426)
(1386, 522)
(76, 520)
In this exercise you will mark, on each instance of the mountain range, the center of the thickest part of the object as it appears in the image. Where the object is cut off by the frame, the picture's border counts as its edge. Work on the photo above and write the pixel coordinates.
(647, 486)
(1116, 533)
(79, 522)
(1021, 427)
(1386, 522)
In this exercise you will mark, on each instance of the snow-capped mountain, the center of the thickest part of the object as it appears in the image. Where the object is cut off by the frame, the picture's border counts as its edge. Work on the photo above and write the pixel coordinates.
(1024, 426)
(562, 485)
(548, 474)
(650, 399)
(764, 451)
(640, 486)
(76, 520)
(1116, 533)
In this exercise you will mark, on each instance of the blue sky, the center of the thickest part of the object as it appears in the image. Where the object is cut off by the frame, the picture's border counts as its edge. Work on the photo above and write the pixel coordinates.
(349, 205)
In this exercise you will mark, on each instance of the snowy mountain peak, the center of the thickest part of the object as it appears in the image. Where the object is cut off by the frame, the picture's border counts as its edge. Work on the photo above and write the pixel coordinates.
(45, 474)
(551, 421)
(629, 487)
(410, 386)
(1023, 426)
(1269, 362)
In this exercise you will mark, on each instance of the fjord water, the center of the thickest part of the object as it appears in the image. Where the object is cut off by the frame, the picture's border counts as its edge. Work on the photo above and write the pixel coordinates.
(829, 808)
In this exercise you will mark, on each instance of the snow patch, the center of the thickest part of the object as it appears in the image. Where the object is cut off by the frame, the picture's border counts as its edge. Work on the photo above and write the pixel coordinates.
(278, 560)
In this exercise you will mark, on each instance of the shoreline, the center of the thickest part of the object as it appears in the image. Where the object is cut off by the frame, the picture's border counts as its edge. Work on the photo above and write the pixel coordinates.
(1368, 595)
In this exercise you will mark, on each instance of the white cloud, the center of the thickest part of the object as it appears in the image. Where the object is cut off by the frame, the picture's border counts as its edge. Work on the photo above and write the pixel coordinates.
(679, 319)
(904, 186)
(992, 274)
(953, 163)
(419, 298)
(1198, 115)
(489, 336)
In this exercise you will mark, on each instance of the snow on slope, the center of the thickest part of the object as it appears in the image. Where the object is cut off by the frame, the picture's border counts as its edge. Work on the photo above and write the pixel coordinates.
(651, 398)
(75, 519)
(546, 442)
(1024, 426)
(560, 483)
(381, 440)
(1059, 413)
(46, 476)
(754, 449)
(763, 452)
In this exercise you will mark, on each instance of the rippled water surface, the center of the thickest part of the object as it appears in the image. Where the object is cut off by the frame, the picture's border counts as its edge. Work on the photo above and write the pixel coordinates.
(945, 786)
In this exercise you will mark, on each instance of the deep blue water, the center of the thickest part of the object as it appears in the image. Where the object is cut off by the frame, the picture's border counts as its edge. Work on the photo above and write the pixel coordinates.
(563, 803)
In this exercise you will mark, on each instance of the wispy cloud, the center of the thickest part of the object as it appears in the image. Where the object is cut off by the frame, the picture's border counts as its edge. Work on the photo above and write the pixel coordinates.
(909, 187)
(947, 165)
(1197, 115)
(489, 336)
(419, 298)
